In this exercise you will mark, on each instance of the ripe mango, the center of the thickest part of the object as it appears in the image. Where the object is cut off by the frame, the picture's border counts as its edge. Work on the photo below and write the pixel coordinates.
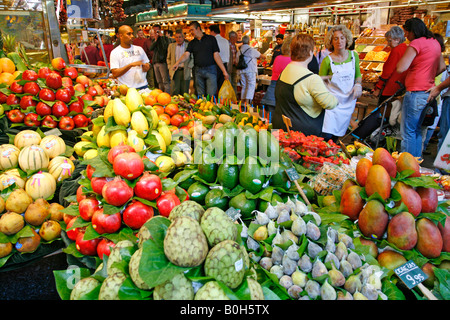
(378, 180)
(382, 157)
(401, 231)
(373, 251)
(373, 219)
(347, 183)
(429, 198)
(391, 259)
(351, 202)
(427, 268)
(410, 198)
(445, 233)
(362, 169)
(406, 161)
(429, 238)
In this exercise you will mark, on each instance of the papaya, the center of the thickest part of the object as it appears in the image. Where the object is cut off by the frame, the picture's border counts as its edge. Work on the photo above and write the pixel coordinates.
(373, 219)
(429, 238)
(406, 161)
(378, 180)
(382, 157)
(352, 202)
(401, 231)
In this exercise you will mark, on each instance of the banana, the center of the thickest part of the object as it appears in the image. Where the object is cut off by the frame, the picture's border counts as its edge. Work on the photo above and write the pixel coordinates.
(165, 132)
(139, 123)
(161, 142)
(121, 113)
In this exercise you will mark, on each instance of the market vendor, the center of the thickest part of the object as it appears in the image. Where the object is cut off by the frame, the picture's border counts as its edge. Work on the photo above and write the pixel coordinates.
(301, 95)
(129, 63)
(342, 75)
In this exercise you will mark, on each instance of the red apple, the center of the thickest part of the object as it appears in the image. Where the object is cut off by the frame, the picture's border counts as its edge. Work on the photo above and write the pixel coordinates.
(31, 120)
(76, 106)
(15, 116)
(89, 110)
(43, 72)
(43, 109)
(49, 122)
(80, 120)
(119, 149)
(66, 82)
(90, 171)
(29, 75)
(106, 223)
(99, 89)
(60, 109)
(136, 214)
(63, 95)
(82, 79)
(79, 87)
(80, 194)
(71, 90)
(71, 72)
(47, 95)
(87, 97)
(104, 248)
(3, 97)
(87, 207)
(27, 101)
(97, 184)
(53, 81)
(72, 233)
(12, 99)
(58, 63)
(99, 101)
(92, 91)
(86, 247)
(66, 123)
(31, 88)
(16, 87)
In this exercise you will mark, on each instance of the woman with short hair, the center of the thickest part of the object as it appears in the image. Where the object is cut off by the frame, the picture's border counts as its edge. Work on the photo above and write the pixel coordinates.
(300, 94)
(342, 75)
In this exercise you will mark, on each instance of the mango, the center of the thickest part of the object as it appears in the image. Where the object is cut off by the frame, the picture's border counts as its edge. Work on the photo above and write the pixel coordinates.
(362, 170)
(445, 233)
(351, 202)
(390, 259)
(427, 268)
(410, 198)
(373, 219)
(382, 157)
(373, 249)
(429, 239)
(347, 183)
(328, 201)
(429, 198)
(378, 180)
(406, 161)
(401, 231)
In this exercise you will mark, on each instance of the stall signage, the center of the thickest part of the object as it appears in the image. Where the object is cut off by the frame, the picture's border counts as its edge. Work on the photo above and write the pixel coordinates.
(79, 9)
(410, 274)
(229, 3)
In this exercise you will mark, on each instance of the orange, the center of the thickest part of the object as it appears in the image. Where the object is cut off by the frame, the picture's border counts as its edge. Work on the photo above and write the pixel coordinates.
(171, 109)
(164, 98)
(149, 100)
(6, 78)
(6, 65)
(159, 109)
(155, 92)
(165, 117)
(176, 120)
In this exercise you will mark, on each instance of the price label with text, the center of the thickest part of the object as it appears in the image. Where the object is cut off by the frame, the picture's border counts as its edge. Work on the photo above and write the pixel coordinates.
(292, 174)
(410, 274)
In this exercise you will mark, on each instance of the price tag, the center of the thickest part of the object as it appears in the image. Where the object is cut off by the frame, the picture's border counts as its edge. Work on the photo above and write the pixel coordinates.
(292, 174)
(410, 274)
(288, 123)
(54, 131)
(233, 213)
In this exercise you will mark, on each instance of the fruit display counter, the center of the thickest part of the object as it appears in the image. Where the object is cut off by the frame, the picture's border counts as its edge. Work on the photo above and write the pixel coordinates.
(162, 197)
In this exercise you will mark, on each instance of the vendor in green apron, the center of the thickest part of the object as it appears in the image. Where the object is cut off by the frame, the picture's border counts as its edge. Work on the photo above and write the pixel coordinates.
(300, 94)
(342, 75)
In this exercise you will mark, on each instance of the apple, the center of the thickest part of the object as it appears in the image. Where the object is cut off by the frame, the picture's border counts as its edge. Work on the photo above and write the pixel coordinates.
(71, 72)
(15, 116)
(63, 95)
(104, 248)
(53, 81)
(99, 101)
(71, 90)
(66, 123)
(71, 232)
(49, 122)
(106, 223)
(43, 72)
(16, 87)
(58, 63)
(87, 207)
(76, 106)
(29, 75)
(92, 91)
(97, 184)
(80, 120)
(99, 89)
(60, 109)
(31, 120)
(87, 97)
(136, 214)
(12, 99)
(43, 109)
(66, 81)
(27, 101)
(79, 87)
(83, 80)
(47, 95)
(90, 171)
(86, 247)
(89, 110)
(31, 88)
(3, 97)
(80, 194)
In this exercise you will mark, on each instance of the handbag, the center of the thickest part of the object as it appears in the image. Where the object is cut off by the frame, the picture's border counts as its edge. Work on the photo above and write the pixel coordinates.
(431, 112)
(241, 63)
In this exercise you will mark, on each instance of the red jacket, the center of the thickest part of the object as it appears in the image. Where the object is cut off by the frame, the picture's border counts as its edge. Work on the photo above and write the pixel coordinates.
(390, 73)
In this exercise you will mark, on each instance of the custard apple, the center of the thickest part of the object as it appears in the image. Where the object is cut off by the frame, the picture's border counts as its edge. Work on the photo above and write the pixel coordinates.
(218, 226)
(187, 208)
(134, 270)
(211, 291)
(83, 287)
(177, 288)
(111, 285)
(116, 256)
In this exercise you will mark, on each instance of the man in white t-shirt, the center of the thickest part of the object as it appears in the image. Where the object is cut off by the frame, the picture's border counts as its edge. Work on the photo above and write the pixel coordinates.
(129, 63)
(224, 47)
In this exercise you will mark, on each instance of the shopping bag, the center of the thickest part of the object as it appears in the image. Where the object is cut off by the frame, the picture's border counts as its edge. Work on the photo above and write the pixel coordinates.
(431, 112)
(442, 160)
(227, 92)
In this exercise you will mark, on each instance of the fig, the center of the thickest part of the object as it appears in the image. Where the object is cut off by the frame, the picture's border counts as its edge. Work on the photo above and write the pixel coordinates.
(286, 281)
(354, 259)
(312, 288)
(318, 269)
(299, 278)
(294, 291)
(266, 263)
(289, 265)
(327, 292)
(353, 284)
(305, 263)
(277, 270)
(298, 226)
(312, 231)
(313, 249)
(277, 255)
(341, 251)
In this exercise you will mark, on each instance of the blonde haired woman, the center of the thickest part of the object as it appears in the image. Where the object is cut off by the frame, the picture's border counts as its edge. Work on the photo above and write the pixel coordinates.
(342, 75)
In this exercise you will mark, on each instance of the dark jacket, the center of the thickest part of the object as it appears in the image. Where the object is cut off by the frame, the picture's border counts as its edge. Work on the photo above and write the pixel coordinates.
(159, 48)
